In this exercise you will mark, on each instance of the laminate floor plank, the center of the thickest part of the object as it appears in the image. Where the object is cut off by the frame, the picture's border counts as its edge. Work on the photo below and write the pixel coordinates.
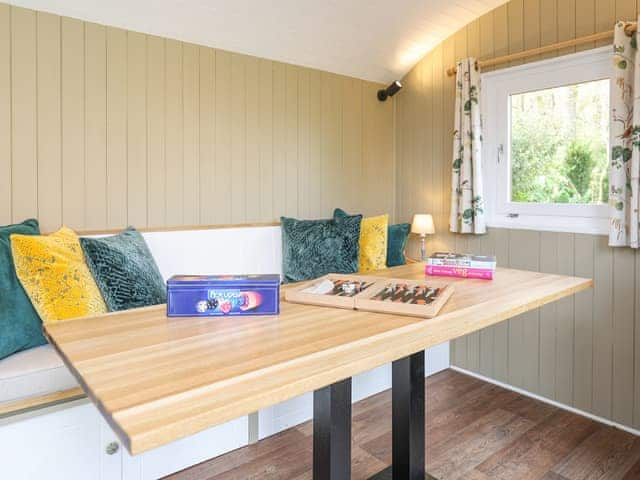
(251, 458)
(447, 388)
(475, 431)
(476, 475)
(363, 466)
(553, 476)
(455, 458)
(540, 448)
(634, 473)
(608, 454)
(531, 409)
(463, 411)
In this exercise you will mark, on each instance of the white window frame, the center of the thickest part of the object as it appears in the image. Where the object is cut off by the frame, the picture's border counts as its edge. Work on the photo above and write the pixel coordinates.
(497, 86)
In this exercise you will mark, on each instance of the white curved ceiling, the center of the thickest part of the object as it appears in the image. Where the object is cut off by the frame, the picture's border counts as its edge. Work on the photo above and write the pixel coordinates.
(377, 40)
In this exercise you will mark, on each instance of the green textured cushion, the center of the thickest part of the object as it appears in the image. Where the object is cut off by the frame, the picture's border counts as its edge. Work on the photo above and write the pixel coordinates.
(396, 240)
(339, 213)
(312, 248)
(124, 270)
(20, 326)
(396, 244)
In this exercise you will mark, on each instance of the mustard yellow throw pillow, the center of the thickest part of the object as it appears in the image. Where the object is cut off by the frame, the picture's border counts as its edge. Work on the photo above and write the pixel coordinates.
(53, 272)
(373, 243)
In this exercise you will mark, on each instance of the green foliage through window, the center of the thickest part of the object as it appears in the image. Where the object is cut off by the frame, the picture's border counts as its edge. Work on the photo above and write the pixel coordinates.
(559, 144)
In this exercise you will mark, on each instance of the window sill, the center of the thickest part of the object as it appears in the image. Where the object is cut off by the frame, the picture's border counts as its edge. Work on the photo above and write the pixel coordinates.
(591, 226)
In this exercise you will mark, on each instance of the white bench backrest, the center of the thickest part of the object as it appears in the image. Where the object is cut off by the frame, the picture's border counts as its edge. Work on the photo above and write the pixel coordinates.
(217, 250)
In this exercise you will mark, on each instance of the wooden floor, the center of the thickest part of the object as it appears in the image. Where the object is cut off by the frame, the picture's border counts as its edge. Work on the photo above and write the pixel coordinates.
(475, 431)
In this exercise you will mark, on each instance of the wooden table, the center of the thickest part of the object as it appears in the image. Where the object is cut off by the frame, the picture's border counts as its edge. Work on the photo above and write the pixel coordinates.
(157, 379)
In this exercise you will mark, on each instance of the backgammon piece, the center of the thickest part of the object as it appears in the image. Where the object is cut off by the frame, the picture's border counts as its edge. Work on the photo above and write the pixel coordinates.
(389, 292)
(422, 298)
(357, 288)
(385, 292)
(409, 295)
(430, 296)
(349, 288)
(419, 296)
(399, 293)
(337, 287)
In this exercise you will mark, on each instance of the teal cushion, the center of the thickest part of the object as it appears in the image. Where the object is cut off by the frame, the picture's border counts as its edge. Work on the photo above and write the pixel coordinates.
(20, 325)
(339, 213)
(124, 270)
(312, 248)
(396, 240)
(396, 244)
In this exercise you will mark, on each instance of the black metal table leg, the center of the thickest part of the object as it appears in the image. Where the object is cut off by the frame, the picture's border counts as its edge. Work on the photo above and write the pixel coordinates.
(408, 417)
(332, 432)
(408, 427)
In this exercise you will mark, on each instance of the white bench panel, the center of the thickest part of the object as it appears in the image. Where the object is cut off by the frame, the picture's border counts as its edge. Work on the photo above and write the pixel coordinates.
(70, 444)
(64, 445)
(186, 452)
(217, 251)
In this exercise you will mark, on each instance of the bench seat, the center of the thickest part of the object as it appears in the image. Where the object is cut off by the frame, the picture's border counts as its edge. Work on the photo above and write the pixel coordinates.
(34, 372)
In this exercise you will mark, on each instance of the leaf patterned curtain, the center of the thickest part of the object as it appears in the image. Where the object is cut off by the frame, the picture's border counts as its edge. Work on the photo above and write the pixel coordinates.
(625, 139)
(467, 201)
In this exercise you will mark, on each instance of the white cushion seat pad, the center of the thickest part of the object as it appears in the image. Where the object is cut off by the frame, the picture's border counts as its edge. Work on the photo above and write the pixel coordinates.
(33, 372)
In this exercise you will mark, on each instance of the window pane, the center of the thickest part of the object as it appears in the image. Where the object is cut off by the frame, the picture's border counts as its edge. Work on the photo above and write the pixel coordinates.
(560, 143)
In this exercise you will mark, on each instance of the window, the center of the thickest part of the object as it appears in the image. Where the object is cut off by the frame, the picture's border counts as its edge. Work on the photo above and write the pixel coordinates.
(546, 143)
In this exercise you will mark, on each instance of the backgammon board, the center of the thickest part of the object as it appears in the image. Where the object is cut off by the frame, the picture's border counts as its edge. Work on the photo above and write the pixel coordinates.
(419, 298)
(332, 290)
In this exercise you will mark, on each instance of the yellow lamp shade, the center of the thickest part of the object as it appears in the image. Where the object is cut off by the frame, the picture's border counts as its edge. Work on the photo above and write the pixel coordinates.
(422, 224)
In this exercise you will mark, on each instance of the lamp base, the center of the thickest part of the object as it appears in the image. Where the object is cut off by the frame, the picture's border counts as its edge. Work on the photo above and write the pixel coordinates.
(423, 248)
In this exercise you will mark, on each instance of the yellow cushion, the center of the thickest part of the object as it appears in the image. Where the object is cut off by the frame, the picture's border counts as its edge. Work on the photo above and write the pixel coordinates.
(373, 243)
(53, 272)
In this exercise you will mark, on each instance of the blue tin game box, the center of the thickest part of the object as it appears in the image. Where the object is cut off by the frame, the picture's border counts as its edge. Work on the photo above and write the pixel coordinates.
(223, 295)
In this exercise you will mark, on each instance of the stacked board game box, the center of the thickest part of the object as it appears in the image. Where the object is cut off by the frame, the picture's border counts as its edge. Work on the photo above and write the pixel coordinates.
(448, 264)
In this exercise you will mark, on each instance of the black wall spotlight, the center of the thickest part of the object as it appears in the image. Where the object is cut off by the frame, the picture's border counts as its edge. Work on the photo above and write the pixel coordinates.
(390, 91)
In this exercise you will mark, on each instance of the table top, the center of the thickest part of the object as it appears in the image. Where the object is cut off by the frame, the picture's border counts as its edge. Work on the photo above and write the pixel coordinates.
(157, 379)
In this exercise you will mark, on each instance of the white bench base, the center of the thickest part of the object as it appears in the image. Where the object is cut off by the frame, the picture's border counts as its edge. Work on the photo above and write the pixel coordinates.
(68, 441)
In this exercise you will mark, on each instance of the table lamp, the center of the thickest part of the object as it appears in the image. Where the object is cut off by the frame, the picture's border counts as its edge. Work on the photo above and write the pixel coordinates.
(423, 225)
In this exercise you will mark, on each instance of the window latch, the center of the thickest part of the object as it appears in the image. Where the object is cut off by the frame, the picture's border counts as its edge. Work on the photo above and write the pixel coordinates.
(500, 152)
(513, 215)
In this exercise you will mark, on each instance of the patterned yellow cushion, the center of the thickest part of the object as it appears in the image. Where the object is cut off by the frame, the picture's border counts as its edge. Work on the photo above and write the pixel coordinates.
(373, 243)
(54, 274)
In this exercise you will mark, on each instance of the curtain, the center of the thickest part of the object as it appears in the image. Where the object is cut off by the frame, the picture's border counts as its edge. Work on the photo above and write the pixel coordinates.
(624, 167)
(467, 201)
